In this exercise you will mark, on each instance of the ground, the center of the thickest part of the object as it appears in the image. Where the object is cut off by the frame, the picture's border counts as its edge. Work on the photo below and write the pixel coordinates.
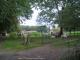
(39, 53)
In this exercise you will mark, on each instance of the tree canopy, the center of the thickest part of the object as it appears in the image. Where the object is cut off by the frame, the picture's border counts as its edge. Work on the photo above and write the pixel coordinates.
(11, 10)
(36, 28)
(65, 13)
(69, 15)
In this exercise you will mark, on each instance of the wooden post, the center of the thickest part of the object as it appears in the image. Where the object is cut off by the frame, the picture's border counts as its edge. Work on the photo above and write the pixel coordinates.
(28, 39)
(24, 39)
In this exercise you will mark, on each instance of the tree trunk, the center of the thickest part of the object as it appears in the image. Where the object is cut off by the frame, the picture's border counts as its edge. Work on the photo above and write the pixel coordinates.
(74, 32)
(77, 33)
(61, 31)
(70, 31)
(28, 40)
(42, 37)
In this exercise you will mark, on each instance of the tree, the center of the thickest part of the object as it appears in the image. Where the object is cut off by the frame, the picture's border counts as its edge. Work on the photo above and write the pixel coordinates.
(29, 28)
(69, 16)
(49, 8)
(36, 28)
(11, 10)
(69, 8)
(42, 29)
(44, 20)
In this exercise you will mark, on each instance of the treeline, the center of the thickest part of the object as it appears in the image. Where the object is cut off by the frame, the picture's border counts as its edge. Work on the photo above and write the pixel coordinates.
(36, 28)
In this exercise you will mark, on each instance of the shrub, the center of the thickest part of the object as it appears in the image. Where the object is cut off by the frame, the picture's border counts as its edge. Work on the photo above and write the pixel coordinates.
(14, 35)
(35, 34)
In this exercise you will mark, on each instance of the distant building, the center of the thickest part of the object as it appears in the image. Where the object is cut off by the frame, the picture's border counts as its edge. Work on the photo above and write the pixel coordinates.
(51, 30)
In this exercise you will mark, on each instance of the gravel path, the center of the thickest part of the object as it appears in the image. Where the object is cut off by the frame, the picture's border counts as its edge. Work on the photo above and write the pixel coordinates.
(39, 53)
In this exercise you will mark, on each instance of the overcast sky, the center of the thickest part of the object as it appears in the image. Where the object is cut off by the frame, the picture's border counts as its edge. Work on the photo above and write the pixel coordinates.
(32, 21)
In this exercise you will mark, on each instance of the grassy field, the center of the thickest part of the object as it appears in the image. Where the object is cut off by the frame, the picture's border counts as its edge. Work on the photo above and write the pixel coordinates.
(77, 33)
(17, 45)
(37, 40)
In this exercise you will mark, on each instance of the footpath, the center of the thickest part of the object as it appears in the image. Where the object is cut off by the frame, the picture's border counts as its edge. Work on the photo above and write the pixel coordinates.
(39, 53)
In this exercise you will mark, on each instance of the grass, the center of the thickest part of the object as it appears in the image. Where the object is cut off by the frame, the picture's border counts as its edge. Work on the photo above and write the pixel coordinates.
(17, 45)
(76, 33)
(34, 34)
(12, 45)
(64, 42)
(40, 40)
(36, 40)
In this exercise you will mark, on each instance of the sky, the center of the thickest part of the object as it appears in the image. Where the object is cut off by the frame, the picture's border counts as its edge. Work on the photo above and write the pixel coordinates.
(32, 21)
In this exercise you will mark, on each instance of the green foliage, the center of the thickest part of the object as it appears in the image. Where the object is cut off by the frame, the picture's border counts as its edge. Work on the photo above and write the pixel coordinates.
(13, 35)
(29, 28)
(69, 10)
(35, 34)
(65, 13)
(42, 28)
(36, 28)
(11, 10)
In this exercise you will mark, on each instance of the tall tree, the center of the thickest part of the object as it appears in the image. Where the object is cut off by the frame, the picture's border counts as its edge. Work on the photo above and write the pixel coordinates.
(50, 8)
(69, 16)
(11, 10)
(63, 8)
(42, 29)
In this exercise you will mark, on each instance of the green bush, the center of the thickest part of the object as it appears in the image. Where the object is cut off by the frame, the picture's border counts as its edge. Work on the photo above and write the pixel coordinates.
(14, 35)
(35, 34)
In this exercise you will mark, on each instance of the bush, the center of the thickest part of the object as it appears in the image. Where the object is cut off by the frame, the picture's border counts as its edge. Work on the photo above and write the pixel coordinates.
(35, 34)
(14, 35)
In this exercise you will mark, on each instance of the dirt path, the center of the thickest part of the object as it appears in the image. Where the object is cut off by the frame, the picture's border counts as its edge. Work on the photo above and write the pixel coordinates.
(39, 53)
